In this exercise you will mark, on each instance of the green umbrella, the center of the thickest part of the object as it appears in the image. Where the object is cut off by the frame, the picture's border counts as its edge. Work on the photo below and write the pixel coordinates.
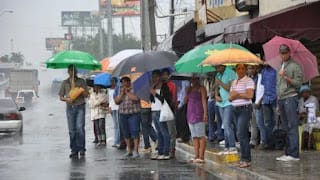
(190, 62)
(80, 59)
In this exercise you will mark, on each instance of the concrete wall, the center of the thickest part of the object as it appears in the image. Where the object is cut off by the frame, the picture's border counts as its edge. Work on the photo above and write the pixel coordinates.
(269, 6)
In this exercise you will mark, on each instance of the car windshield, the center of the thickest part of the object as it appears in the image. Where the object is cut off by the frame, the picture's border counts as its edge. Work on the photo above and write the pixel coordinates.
(5, 103)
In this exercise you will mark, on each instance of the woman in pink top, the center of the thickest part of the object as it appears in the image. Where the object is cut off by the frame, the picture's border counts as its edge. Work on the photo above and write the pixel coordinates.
(197, 116)
(241, 93)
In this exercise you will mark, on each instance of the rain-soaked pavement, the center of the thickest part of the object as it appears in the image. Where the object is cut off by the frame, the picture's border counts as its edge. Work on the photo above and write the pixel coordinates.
(42, 152)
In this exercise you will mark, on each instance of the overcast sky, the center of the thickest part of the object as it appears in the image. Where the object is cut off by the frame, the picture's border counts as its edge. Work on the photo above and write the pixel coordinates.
(34, 20)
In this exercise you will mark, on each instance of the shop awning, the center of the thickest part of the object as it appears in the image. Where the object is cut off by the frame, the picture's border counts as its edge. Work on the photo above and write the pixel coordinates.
(182, 40)
(297, 22)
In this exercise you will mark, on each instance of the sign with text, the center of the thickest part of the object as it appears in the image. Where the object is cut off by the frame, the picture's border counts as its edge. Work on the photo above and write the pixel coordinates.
(122, 7)
(79, 18)
(55, 44)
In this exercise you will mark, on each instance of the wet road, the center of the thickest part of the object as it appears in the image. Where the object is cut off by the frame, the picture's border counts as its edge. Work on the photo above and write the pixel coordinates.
(42, 152)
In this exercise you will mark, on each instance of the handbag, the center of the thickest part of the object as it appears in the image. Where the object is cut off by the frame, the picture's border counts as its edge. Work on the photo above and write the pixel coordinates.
(166, 113)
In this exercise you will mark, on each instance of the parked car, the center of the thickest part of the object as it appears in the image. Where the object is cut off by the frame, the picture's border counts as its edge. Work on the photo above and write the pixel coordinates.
(11, 119)
(26, 97)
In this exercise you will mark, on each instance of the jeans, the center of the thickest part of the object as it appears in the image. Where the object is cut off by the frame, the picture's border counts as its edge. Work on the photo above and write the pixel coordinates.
(269, 117)
(226, 114)
(260, 123)
(173, 134)
(115, 117)
(130, 125)
(100, 125)
(76, 125)
(163, 134)
(147, 129)
(243, 114)
(253, 129)
(212, 123)
(289, 121)
(220, 131)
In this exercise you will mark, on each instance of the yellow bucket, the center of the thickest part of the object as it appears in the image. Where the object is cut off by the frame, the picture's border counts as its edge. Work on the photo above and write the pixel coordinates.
(318, 146)
(316, 136)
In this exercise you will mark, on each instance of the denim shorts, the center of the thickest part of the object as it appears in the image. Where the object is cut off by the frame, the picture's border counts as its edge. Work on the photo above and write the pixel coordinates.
(197, 129)
(130, 125)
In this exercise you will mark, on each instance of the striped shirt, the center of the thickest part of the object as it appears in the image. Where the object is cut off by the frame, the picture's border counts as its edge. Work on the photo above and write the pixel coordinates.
(241, 86)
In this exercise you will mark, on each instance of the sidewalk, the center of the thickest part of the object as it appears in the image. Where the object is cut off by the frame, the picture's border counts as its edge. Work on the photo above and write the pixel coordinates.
(263, 165)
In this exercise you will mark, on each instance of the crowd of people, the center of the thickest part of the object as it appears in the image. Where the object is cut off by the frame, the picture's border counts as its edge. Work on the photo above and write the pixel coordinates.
(235, 106)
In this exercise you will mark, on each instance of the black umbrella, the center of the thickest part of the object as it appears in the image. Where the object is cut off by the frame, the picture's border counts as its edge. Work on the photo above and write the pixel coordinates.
(146, 61)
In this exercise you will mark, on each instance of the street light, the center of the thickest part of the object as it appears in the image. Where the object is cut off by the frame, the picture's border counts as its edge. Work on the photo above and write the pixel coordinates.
(6, 11)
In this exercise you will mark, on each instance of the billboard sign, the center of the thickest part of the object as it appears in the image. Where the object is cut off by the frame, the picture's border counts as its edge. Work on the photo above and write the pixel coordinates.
(56, 44)
(122, 7)
(79, 18)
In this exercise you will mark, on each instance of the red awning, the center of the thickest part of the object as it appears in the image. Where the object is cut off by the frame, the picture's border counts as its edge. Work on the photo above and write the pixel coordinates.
(297, 22)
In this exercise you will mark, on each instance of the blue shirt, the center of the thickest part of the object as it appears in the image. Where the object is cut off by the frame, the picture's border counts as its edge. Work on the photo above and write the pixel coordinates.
(269, 81)
(227, 76)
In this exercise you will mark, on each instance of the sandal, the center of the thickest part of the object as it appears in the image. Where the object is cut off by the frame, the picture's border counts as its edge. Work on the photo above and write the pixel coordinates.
(244, 164)
(199, 161)
(193, 160)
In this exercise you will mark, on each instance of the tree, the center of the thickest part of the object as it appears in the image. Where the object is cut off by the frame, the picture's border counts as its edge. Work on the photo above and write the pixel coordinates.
(91, 44)
(17, 57)
(4, 59)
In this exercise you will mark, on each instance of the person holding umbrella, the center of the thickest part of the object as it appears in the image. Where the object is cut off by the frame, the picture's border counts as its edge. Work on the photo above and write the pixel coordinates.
(76, 110)
(289, 80)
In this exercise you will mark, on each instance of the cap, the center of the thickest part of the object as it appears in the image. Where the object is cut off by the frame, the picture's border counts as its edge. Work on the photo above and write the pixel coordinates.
(125, 78)
(304, 88)
(284, 48)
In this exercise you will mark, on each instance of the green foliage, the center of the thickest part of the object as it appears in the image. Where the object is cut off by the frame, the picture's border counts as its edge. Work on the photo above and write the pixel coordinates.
(91, 44)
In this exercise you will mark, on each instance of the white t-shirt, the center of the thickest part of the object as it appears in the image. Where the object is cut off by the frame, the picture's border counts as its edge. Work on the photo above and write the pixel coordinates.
(112, 104)
(241, 86)
(156, 106)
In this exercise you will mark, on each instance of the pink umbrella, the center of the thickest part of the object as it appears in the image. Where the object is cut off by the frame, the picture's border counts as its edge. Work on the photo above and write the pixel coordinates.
(298, 53)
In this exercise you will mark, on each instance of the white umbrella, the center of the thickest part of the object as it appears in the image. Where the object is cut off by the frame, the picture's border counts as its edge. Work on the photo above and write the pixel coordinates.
(120, 56)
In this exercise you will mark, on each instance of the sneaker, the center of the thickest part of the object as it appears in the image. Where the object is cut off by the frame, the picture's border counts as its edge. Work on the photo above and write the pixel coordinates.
(287, 158)
(82, 153)
(225, 151)
(154, 156)
(222, 142)
(163, 157)
(136, 155)
(146, 150)
(95, 141)
(73, 155)
(232, 150)
(281, 157)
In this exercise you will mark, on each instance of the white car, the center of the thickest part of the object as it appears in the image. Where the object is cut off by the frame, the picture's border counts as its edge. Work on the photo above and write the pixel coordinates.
(11, 119)
(26, 97)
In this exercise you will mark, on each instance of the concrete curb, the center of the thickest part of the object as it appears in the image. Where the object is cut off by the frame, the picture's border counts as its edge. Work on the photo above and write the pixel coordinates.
(216, 164)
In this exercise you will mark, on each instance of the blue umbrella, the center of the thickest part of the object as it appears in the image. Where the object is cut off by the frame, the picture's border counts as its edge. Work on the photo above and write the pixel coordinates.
(103, 79)
(141, 86)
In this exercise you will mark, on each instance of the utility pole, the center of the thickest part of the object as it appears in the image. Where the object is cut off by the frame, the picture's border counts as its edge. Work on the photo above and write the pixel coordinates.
(148, 27)
(110, 36)
(123, 27)
(101, 53)
(171, 21)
